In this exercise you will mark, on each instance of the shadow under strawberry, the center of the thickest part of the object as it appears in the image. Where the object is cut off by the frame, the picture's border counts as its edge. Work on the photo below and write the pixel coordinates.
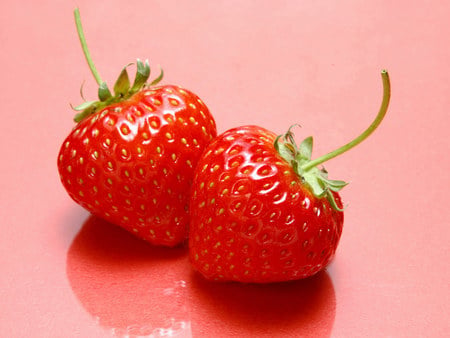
(303, 308)
(129, 286)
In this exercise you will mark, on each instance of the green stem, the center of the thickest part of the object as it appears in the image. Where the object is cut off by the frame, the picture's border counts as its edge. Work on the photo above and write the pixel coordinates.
(85, 47)
(365, 134)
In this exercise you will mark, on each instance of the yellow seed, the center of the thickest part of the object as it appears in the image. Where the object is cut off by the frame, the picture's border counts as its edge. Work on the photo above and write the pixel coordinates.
(174, 157)
(192, 119)
(110, 165)
(173, 102)
(156, 102)
(81, 193)
(95, 188)
(110, 182)
(127, 174)
(69, 169)
(169, 136)
(183, 140)
(225, 191)
(221, 211)
(158, 150)
(154, 124)
(149, 108)
(145, 136)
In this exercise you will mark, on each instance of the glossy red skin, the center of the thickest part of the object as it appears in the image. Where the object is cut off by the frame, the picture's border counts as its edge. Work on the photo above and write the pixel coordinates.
(252, 219)
(132, 163)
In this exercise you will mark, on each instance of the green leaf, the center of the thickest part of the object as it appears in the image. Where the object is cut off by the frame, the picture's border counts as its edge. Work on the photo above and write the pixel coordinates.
(159, 78)
(122, 84)
(84, 105)
(103, 92)
(332, 201)
(86, 112)
(336, 185)
(306, 148)
(142, 75)
(315, 183)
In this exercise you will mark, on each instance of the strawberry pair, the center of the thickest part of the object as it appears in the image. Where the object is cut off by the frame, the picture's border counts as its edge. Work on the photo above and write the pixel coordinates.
(256, 206)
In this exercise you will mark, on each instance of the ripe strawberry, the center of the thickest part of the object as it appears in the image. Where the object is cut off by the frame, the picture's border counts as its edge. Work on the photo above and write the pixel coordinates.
(131, 157)
(261, 210)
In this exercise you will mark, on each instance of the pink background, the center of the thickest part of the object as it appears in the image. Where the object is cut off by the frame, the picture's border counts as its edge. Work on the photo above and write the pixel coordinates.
(270, 63)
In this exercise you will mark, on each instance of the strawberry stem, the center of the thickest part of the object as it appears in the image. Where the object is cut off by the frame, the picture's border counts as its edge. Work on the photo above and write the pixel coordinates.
(382, 112)
(85, 47)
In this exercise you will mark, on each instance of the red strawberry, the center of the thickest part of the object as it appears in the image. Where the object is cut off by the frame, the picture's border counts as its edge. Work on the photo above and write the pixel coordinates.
(131, 157)
(261, 210)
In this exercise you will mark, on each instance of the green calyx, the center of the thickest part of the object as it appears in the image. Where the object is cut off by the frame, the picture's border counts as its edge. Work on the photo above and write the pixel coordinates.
(299, 156)
(123, 89)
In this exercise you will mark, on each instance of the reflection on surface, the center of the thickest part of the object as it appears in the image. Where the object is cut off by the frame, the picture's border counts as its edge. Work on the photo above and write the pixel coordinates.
(127, 285)
(304, 308)
(135, 289)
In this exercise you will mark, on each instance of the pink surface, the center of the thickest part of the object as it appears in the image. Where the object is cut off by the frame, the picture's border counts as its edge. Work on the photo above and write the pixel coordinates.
(317, 63)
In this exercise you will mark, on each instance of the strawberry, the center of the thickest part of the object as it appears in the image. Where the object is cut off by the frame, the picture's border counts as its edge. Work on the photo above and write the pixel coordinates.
(261, 209)
(131, 157)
